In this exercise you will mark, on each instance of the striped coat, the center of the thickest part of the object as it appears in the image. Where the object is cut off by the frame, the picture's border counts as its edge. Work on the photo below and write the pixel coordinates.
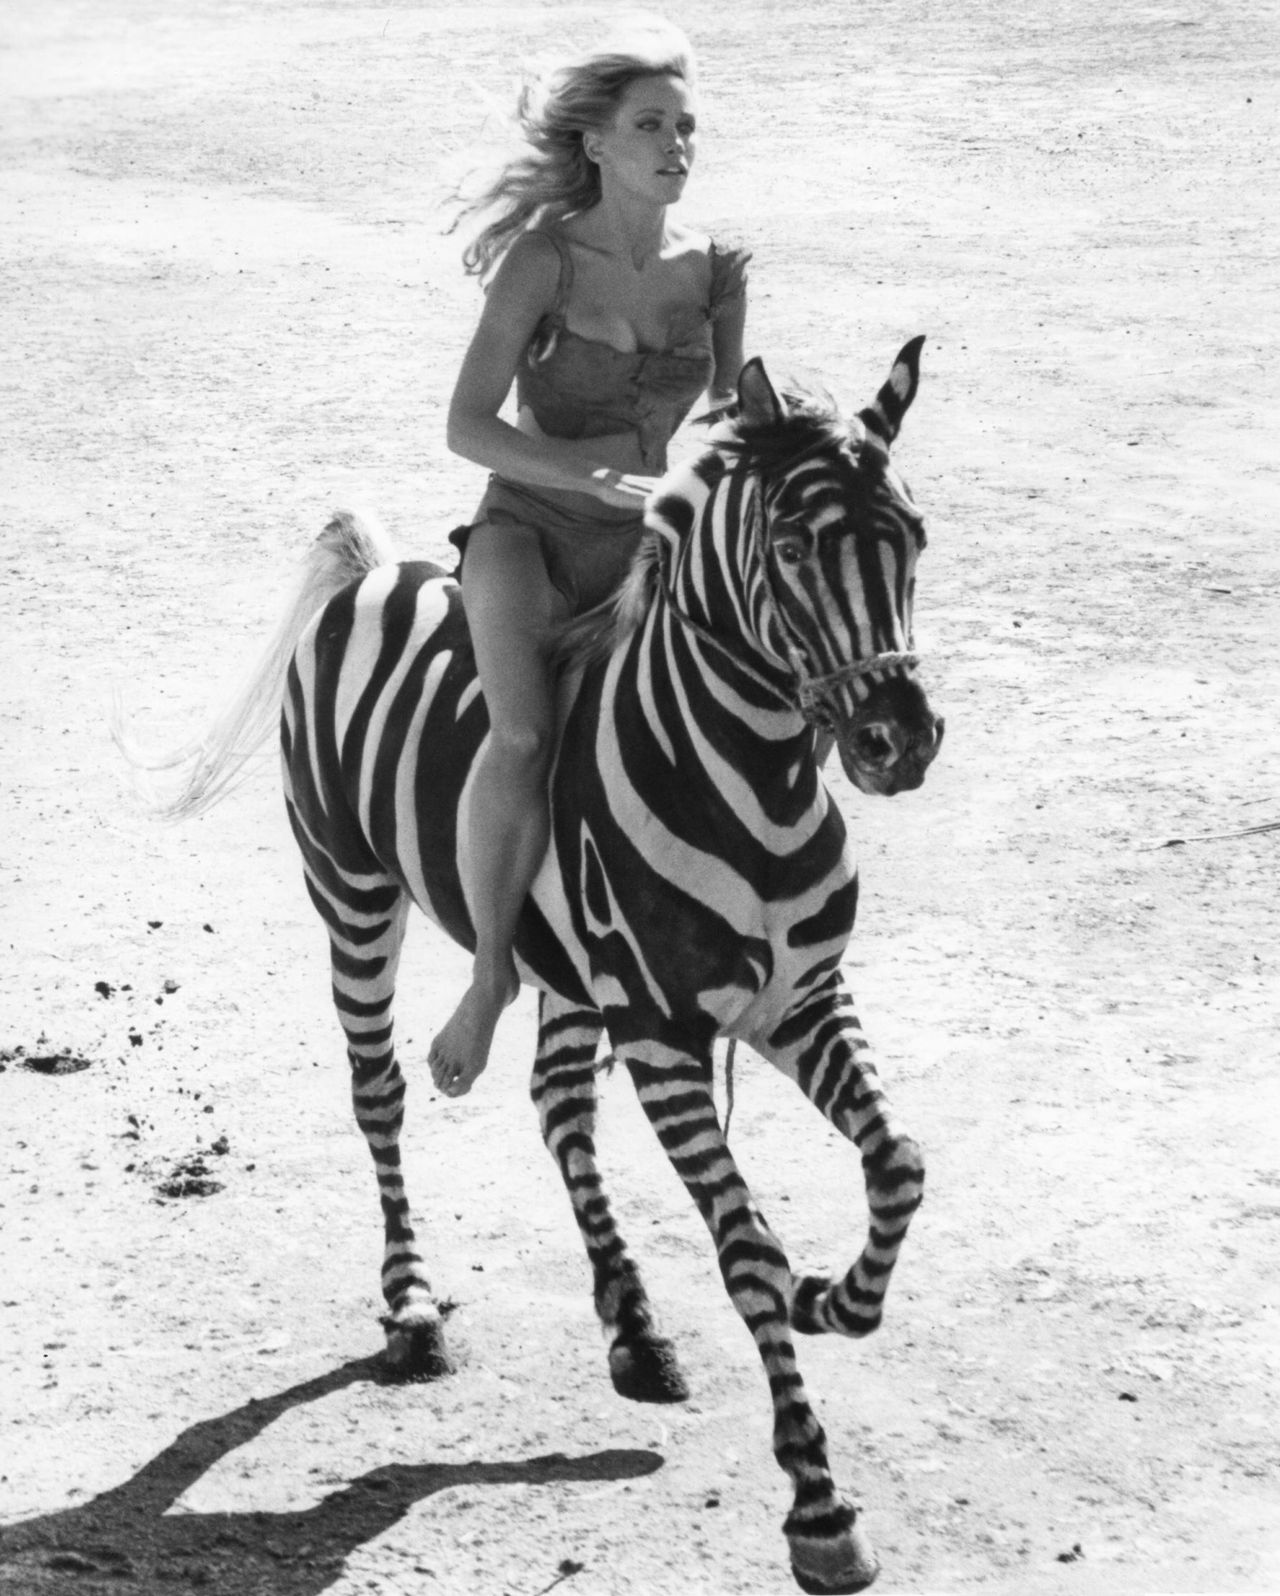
(698, 881)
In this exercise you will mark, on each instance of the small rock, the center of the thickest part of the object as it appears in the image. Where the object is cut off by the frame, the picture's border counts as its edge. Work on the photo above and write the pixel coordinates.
(63, 1062)
(72, 1563)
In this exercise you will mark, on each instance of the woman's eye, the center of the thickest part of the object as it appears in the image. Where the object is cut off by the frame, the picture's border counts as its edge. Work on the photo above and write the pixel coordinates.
(790, 551)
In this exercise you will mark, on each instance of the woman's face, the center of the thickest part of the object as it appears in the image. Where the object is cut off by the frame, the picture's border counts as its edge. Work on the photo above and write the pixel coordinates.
(648, 148)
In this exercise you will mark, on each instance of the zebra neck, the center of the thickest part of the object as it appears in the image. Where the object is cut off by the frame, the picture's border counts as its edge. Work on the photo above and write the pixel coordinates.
(726, 652)
(715, 587)
(709, 710)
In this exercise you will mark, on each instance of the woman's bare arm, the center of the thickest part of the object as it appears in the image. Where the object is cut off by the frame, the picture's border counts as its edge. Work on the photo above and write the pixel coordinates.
(727, 334)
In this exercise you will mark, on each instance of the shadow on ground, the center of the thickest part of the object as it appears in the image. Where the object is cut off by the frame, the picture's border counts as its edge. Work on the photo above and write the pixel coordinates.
(122, 1540)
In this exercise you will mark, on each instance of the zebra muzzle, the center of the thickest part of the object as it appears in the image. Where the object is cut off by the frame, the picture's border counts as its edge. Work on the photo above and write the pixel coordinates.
(874, 746)
(885, 757)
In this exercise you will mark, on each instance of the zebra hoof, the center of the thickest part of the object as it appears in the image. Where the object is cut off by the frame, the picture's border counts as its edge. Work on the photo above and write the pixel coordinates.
(646, 1370)
(814, 1314)
(805, 1297)
(416, 1351)
(833, 1565)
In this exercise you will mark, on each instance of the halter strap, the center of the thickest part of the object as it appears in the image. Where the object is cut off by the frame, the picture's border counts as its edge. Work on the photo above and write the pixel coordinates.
(811, 689)
(728, 649)
(807, 688)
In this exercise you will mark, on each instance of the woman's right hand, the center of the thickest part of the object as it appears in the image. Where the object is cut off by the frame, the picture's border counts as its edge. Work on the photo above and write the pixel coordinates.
(622, 489)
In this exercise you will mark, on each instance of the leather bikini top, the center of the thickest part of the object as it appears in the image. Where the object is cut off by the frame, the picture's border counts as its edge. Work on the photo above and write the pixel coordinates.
(578, 387)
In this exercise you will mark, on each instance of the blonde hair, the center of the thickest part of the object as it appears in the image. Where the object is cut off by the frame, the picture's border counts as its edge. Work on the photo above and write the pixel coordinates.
(552, 175)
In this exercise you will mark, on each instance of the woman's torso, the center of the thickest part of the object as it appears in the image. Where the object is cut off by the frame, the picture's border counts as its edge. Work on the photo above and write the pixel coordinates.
(628, 402)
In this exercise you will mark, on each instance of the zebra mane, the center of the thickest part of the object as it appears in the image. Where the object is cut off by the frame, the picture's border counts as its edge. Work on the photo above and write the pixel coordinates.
(593, 635)
(811, 421)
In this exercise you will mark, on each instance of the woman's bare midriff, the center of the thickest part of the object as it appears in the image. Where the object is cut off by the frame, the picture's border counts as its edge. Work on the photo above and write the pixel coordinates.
(618, 451)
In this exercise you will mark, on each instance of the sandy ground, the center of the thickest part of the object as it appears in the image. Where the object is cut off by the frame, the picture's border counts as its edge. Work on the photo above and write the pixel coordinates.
(228, 307)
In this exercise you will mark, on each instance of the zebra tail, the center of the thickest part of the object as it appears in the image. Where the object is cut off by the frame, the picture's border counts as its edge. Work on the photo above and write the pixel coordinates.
(186, 781)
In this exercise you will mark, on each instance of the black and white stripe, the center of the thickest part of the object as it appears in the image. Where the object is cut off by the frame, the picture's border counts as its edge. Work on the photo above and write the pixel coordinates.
(698, 881)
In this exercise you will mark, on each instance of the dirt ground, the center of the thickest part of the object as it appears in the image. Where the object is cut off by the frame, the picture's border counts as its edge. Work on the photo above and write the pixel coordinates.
(228, 307)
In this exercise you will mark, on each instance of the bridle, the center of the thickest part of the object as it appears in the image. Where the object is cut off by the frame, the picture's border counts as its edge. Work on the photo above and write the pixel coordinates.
(808, 689)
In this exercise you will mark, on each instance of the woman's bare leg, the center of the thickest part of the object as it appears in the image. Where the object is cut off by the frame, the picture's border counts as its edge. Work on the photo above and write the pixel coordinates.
(510, 606)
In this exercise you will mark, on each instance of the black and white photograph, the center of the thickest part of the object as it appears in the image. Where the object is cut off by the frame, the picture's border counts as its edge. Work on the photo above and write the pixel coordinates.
(640, 872)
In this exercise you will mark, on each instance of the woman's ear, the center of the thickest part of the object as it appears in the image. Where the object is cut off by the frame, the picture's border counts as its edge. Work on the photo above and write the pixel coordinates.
(591, 148)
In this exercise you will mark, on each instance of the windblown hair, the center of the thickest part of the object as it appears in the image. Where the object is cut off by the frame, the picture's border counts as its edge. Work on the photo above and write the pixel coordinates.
(552, 176)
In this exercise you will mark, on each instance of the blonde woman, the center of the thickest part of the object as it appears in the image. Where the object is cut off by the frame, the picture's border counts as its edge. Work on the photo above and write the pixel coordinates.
(611, 318)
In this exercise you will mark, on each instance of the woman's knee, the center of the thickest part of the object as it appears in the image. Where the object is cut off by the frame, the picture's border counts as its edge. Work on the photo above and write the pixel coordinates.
(519, 751)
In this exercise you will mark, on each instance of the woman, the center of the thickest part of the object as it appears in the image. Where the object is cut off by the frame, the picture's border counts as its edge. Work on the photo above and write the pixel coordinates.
(611, 319)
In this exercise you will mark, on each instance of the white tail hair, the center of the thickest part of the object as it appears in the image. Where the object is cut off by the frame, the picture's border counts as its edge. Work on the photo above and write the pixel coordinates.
(195, 776)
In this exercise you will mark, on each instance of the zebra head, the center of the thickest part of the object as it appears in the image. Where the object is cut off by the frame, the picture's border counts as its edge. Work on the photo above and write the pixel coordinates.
(836, 541)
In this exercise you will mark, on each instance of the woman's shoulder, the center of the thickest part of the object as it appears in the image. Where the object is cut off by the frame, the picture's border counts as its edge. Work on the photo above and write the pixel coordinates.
(534, 270)
(539, 251)
(727, 262)
(724, 261)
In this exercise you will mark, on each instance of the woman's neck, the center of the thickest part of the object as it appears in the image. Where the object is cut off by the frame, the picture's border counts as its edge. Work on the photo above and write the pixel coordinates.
(636, 233)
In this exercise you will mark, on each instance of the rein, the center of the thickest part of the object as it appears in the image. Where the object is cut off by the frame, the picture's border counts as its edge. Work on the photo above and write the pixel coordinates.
(807, 688)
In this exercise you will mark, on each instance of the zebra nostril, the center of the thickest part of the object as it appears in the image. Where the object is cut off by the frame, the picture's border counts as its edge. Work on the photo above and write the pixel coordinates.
(874, 746)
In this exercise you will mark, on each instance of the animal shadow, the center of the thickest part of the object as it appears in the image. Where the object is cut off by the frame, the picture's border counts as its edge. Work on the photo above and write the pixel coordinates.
(122, 1541)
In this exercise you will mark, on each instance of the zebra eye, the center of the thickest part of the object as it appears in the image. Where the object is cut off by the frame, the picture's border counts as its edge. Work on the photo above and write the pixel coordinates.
(790, 550)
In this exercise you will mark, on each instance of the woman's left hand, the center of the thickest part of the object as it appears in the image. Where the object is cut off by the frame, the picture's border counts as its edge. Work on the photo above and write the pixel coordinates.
(622, 489)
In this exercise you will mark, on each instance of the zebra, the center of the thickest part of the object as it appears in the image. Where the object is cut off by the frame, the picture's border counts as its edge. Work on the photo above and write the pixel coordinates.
(698, 881)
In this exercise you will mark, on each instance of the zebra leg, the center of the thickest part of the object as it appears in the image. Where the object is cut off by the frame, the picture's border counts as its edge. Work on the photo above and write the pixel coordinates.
(829, 1552)
(366, 916)
(642, 1364)
(821, 1046)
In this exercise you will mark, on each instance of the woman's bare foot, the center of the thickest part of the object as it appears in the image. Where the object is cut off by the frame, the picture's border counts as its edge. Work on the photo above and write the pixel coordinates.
(460, 1050)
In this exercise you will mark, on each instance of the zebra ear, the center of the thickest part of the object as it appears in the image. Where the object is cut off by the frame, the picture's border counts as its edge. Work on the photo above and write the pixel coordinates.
(758, 404)
(884, 417)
